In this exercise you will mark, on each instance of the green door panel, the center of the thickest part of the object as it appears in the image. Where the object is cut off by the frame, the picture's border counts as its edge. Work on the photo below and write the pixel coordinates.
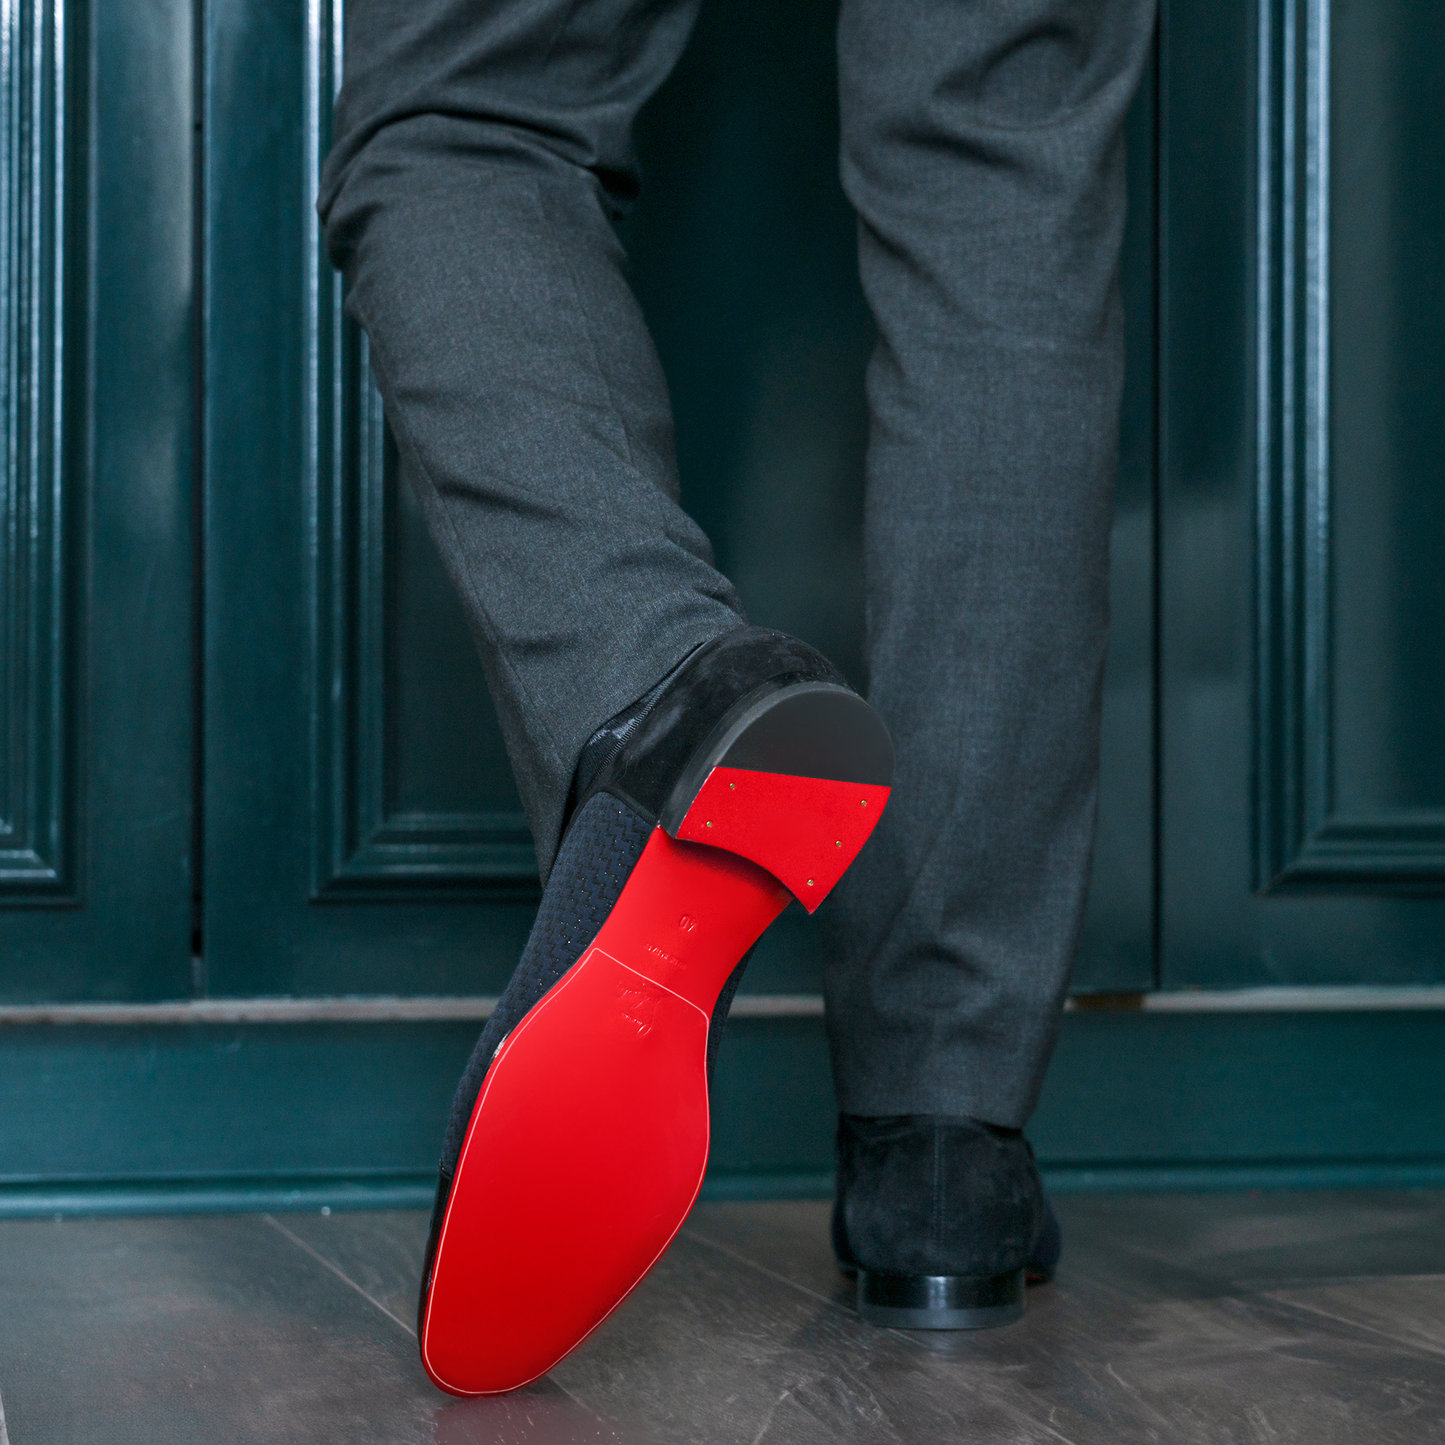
(1387, 425)
(362, 832)
(747, 271)
(1302, 492)
(95, 551)
(415, 799)
(346, 850)
(1273, 799)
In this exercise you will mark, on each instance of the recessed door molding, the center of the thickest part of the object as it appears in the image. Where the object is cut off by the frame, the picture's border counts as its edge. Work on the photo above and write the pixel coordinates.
(365, 846)
(1302, 840)
(37, 853)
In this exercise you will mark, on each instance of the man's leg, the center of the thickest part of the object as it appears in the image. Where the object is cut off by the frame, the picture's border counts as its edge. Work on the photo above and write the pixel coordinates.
(481, 153)
(983, 149)
(706, 771)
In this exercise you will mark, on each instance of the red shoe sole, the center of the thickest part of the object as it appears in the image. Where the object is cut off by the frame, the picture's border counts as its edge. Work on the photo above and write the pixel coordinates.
(590, 1134)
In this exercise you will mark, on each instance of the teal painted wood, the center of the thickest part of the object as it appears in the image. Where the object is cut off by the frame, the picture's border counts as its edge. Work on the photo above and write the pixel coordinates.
(217, 1196)
(1386, 475)
(399, 816)
(254, 1116)
(747, 273)
(37, 843)
(362, 829)
(327, 866)
(1352, 774)
(95, 554)
(1299, 656)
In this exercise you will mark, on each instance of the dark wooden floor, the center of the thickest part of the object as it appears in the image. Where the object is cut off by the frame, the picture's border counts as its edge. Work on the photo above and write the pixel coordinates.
(1213, 1318)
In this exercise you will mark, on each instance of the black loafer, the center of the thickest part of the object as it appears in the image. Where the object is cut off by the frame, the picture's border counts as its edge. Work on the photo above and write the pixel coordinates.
(944, 1220)
(578, 1139)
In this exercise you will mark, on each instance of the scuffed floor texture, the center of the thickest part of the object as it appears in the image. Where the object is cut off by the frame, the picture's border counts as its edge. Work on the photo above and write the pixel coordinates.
(1211, 1318)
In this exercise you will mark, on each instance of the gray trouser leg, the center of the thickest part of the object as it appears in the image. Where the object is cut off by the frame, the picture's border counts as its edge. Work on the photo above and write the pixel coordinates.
(480, 153)
(982, 147)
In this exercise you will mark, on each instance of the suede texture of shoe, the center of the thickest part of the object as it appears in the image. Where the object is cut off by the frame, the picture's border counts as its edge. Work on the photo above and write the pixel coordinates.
(749, 776)
(943, 1218)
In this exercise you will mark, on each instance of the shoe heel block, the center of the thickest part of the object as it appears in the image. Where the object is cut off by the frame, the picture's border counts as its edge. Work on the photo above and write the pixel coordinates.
(794, 778)
(941, 1301)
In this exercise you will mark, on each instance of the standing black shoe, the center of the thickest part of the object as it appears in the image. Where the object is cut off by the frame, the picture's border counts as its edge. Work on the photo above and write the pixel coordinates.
(943, 1218)
(750, 775)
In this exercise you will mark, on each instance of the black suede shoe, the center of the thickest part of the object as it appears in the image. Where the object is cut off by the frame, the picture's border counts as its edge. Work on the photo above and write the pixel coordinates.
(942, 1218)
(578, 1139)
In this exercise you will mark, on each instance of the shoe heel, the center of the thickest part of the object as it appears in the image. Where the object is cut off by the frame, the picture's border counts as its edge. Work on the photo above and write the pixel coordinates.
(804, 831)
(795, 781)
(940, 1301)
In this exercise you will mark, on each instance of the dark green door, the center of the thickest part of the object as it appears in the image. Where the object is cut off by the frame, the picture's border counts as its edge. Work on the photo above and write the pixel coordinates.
(96, 560)
(250, 770)
(362, 833)
(1303, 497)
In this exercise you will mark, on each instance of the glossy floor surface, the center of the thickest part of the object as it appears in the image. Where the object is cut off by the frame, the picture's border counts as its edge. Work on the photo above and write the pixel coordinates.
(1210, 1318)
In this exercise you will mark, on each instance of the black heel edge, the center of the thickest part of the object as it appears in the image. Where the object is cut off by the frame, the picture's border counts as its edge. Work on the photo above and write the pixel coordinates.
(940, 1301)
(805, 727)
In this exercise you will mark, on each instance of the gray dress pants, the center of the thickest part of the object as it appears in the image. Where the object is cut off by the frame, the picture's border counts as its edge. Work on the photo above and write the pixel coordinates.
(482, 151)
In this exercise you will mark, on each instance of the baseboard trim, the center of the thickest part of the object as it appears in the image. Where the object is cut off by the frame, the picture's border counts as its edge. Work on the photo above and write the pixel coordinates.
(1344, 998)
(752, 1188)
(346, 1115)
(353, 1009)
(213, 1196)
(1233, 1177)
(181, 1012)
(62, 1199)
(440, 1009)
(25, 1200)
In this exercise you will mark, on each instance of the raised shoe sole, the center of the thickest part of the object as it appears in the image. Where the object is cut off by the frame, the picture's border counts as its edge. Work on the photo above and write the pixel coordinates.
(588, 1141)
(940, 1301)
